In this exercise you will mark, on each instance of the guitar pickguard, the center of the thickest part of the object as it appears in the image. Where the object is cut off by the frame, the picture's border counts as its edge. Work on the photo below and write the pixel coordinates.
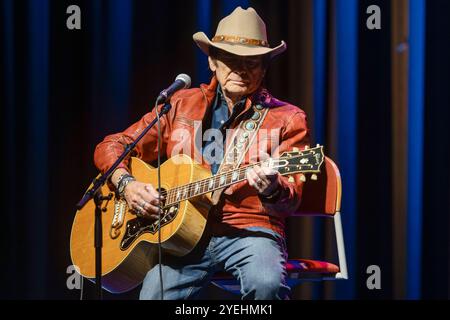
(138, 226)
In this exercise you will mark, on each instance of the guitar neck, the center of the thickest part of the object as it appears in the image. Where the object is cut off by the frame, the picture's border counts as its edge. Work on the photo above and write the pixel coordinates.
(203, 186)
(290, 162)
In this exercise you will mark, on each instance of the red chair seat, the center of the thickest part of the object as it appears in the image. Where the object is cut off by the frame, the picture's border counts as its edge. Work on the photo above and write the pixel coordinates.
(294, 267)
(311, 266)
(297, 269)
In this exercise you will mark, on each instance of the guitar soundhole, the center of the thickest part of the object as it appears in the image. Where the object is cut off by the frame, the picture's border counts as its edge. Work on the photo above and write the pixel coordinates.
(138, 226)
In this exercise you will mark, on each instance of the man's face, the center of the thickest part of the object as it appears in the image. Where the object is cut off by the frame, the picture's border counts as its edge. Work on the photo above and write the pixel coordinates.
(238, 76)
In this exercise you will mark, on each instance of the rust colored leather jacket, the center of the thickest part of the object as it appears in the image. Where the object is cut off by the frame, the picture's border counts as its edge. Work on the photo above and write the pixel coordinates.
(241, 207)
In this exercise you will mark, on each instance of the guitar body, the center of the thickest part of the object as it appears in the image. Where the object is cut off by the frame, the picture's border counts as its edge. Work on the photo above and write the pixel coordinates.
(130, 243)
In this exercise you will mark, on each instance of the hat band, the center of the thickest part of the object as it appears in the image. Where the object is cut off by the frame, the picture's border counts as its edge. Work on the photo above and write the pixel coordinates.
(240, 40)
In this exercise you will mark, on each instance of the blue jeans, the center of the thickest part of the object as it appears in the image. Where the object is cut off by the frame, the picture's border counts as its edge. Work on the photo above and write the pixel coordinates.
(255, 256)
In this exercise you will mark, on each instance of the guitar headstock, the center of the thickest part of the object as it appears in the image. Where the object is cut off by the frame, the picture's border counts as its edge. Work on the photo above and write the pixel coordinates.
(308, 160)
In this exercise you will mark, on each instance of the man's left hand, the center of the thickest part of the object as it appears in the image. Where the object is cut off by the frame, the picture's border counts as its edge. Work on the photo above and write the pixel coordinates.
(264, 179)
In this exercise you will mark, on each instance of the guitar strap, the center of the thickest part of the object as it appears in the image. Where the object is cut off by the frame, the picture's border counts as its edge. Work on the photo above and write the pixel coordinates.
(240, 143)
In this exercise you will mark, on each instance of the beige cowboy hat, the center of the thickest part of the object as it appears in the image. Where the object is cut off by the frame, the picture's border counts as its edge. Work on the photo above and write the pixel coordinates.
(242, 33)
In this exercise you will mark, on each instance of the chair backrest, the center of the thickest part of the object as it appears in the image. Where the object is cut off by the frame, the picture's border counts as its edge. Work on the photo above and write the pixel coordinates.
(322, 196)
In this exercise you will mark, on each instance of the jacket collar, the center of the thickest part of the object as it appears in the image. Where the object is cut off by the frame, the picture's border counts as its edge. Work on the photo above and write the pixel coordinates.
(261, 96)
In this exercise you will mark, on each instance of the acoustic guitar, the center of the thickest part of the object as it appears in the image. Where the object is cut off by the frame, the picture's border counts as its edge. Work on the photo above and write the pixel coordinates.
(130, 242)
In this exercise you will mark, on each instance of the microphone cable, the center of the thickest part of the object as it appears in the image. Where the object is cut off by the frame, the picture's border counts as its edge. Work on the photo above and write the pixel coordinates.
(185, 81)
(158, 124)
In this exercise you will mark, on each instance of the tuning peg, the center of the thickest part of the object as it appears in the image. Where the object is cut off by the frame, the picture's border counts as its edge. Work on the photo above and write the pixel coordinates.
(302, 178)
(306, 147)
(291, 179)
(314, 177)
(317, 145)
(295, 149)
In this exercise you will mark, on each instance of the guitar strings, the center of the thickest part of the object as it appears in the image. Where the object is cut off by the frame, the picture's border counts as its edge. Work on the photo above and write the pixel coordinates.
(203, 182)
(206, 181)
(189, 185)
(188, 188)
(166, 213)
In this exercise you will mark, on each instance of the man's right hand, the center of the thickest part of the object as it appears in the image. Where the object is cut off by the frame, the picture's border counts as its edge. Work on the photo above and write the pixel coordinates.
(142, 198)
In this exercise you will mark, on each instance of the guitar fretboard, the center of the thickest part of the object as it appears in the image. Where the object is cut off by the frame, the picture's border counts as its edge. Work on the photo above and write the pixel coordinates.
(289, 163)
(207, 185)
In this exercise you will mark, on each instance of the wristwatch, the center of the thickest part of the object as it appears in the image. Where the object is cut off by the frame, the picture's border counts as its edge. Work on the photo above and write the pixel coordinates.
(124, 180)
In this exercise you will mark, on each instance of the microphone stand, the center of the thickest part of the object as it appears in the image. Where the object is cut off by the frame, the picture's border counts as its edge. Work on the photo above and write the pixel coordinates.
(95, 193)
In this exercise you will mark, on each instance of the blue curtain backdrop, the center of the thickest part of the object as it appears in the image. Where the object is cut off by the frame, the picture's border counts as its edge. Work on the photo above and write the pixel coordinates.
(63, 90)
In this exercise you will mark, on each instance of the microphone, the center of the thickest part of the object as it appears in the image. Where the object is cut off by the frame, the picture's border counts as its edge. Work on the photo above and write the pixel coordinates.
(182, 81)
